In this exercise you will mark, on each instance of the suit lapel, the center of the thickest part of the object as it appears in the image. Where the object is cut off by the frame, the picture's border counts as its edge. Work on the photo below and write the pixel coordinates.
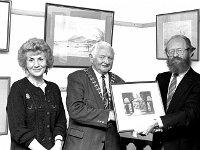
(95, 86)
(180, 90)
(163, 85)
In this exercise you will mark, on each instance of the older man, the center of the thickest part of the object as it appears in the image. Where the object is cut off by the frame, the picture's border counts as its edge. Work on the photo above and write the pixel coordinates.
(91, 117)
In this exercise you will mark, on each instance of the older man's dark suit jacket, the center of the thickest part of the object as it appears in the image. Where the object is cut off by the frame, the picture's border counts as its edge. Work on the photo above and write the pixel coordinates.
(181, 122)
(87, 117)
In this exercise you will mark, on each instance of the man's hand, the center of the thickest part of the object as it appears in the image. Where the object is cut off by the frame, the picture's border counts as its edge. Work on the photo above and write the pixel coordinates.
(149, 129)
(146, 128)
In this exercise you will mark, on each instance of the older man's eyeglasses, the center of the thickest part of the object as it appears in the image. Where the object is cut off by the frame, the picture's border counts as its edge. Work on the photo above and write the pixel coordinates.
(179, 52)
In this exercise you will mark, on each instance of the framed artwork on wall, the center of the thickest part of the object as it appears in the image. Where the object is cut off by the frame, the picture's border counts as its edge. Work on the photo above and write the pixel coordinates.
(70, 31)
(4, 91)
(184, 23)
(5, 15)
(135, 103)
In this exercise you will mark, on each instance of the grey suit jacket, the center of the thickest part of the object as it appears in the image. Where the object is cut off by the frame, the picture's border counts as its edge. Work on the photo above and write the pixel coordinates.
(87, 117)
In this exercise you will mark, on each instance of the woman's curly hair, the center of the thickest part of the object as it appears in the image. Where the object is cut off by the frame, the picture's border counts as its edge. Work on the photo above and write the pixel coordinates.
(35, 45)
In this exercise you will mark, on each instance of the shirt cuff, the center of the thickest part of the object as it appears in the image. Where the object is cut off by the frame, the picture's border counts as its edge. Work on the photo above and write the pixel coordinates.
(58, 137)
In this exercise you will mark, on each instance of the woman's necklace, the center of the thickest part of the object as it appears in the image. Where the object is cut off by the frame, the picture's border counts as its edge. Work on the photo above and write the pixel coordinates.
(39, 84)
(36, 83)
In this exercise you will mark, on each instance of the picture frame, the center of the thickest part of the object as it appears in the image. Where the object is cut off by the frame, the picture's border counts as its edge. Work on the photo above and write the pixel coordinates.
(136, 103)
(184, 23)
(4, 91)
(71, 31)
(5, 15)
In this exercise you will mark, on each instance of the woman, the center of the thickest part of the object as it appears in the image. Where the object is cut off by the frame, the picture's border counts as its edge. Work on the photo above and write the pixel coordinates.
(35, 110)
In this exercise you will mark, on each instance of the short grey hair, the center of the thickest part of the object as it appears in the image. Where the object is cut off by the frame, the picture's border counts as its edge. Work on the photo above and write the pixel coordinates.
(100, 45)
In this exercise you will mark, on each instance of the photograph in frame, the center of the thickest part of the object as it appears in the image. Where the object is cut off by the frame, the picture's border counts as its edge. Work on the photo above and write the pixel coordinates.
(183, 23)
(5, 15)
(71, 31)
(4, 91)
(135, 103)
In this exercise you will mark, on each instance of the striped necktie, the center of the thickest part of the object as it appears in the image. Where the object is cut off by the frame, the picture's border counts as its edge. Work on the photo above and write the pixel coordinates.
(172, 89)
(106, 100)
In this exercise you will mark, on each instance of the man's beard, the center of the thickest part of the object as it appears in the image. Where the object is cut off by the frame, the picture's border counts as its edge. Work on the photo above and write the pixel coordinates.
(178, 65)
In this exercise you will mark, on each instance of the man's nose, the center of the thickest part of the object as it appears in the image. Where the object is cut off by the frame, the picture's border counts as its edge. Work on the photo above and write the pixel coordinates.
(175, 53)
(106, 60)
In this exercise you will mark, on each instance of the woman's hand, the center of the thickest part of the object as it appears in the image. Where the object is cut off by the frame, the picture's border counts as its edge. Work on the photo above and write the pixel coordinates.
(58, 145)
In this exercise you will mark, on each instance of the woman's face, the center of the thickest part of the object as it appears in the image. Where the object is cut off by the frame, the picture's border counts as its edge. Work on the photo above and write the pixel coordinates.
(36, 63)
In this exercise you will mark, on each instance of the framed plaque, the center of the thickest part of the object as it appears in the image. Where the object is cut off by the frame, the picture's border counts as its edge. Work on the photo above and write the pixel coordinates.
(5, 15)
(4, 91)
(184, 23)
(135, 103)
(71, 31)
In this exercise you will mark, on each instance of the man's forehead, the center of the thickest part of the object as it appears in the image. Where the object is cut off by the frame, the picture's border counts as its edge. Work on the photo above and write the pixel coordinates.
(177, 42)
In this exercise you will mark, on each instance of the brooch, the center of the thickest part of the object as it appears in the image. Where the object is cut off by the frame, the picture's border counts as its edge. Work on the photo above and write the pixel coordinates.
(27, 96)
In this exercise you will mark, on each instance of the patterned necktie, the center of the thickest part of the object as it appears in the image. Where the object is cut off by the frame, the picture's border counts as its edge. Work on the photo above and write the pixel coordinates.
(172, 89)
(105, 94)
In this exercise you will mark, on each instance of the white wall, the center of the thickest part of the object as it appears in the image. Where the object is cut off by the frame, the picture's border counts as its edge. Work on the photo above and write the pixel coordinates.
(135, 48)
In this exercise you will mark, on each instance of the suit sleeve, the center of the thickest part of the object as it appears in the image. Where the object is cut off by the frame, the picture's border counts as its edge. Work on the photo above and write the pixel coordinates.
(189, 112)
(79, 107)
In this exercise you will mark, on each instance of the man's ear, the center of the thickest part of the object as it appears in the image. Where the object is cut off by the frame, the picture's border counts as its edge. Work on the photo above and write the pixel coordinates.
(91, 57)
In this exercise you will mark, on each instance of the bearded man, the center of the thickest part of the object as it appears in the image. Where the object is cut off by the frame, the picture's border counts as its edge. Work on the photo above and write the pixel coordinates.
(179, 129)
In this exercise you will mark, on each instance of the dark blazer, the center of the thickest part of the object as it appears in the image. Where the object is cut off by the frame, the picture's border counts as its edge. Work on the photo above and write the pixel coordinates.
(181, 122)
(88, 120)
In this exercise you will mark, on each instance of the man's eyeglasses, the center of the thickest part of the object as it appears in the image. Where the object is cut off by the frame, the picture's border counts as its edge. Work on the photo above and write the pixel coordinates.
(179, 52)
